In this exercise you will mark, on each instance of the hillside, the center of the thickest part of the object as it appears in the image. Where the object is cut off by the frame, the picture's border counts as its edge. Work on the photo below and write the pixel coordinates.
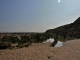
(72, 29)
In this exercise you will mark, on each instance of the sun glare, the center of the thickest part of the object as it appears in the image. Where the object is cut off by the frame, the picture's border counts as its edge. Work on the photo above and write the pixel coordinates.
(59, 1)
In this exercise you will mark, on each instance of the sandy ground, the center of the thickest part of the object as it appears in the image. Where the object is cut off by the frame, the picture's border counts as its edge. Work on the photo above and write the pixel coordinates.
(42, 51)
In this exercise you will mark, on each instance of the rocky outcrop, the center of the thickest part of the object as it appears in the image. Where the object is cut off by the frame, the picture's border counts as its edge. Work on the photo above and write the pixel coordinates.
(69, 30)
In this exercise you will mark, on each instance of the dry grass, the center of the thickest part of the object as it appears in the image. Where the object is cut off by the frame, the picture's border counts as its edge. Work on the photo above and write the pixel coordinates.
(43, 51)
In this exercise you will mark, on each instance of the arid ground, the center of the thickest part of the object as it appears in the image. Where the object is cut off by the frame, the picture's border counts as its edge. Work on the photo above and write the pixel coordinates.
(42, 51)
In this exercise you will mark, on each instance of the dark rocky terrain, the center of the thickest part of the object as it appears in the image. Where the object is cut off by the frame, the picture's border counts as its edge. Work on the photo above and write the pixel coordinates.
(69, 30)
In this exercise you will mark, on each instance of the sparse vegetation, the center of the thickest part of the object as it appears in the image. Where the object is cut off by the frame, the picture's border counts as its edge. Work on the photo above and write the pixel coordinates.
(5, 45)
(24, 40)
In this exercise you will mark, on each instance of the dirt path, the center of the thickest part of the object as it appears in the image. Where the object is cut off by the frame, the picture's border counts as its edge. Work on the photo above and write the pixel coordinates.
(43, 51)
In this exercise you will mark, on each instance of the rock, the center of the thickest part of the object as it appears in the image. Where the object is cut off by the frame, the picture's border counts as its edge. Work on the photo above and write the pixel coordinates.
(49, 57)
(71, 30)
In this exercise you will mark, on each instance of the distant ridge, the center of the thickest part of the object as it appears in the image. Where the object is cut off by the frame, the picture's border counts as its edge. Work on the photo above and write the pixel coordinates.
(72, 29)
(21, 32)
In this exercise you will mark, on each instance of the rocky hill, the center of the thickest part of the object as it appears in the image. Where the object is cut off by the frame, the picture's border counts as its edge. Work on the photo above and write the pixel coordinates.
(72, 29)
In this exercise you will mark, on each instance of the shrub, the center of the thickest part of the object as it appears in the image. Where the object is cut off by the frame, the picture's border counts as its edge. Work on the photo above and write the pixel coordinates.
(11, 39)
(5, 45)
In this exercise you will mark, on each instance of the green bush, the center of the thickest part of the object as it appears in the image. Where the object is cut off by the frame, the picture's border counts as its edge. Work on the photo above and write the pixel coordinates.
(11, 39)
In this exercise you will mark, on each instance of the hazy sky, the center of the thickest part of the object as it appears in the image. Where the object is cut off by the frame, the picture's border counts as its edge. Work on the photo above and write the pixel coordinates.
(36, 15)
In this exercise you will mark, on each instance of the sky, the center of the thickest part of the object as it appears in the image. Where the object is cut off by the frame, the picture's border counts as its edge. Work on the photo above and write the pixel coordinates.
(37, 15)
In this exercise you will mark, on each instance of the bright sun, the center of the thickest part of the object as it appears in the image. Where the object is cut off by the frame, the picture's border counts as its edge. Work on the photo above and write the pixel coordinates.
(59, 1)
